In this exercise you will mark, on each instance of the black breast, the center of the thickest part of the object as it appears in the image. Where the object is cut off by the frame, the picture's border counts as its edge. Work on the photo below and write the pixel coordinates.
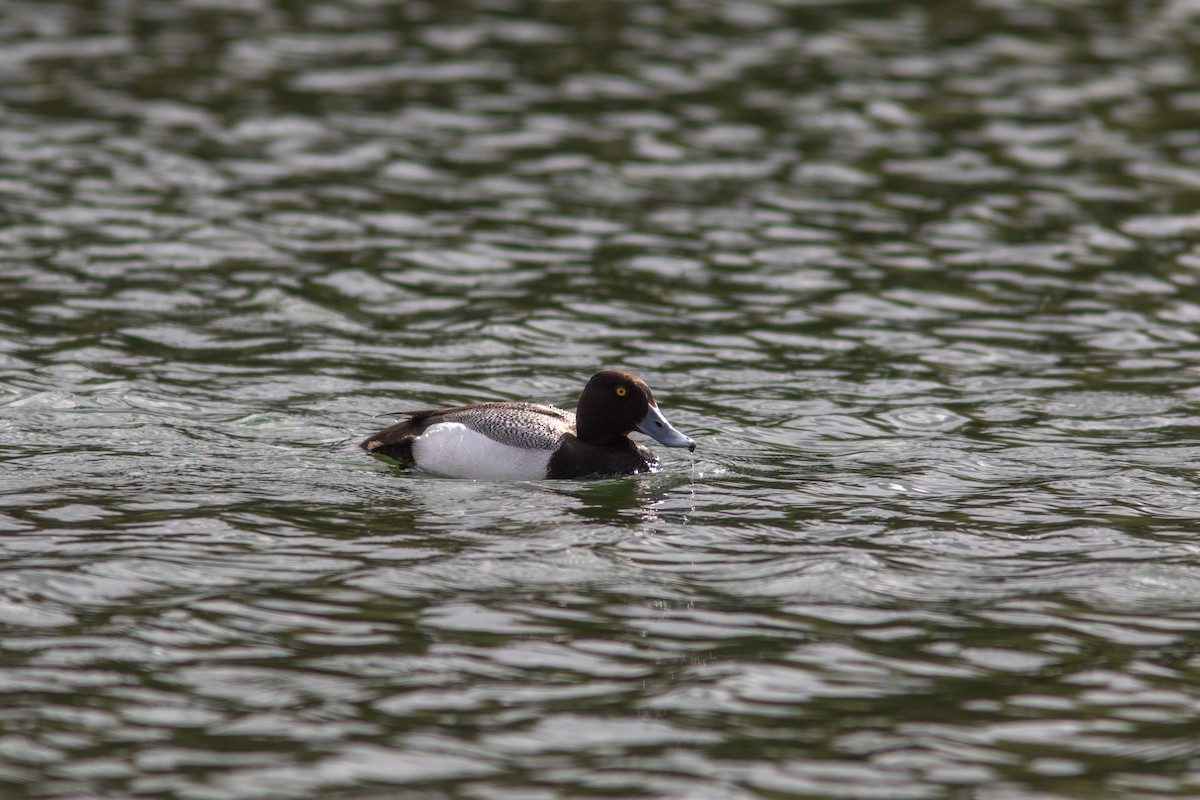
(578, 459)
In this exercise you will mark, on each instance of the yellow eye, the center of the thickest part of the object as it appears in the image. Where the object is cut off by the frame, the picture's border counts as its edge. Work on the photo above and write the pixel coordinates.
(621, 391)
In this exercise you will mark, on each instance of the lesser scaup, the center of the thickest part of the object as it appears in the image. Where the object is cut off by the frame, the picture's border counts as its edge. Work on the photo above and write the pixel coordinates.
(527, 441)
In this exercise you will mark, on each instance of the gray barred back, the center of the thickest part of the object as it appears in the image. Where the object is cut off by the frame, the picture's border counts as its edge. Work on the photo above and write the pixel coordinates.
(526, 425)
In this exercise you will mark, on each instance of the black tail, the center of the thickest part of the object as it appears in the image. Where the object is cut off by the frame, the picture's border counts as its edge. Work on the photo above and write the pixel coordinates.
(395, 442)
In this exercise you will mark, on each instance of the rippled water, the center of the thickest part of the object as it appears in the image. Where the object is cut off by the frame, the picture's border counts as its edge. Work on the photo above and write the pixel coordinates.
(921, 279)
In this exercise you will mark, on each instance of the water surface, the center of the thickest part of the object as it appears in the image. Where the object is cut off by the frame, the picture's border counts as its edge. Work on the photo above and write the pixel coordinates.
(920, 278)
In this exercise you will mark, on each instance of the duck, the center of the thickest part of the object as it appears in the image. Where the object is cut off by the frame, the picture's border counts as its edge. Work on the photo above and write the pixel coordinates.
(529, 441)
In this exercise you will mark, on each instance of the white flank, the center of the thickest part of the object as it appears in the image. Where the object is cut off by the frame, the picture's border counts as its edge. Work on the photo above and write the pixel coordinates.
(454, 450)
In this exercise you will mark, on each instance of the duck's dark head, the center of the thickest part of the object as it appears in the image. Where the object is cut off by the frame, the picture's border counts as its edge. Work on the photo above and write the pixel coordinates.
(614, 404)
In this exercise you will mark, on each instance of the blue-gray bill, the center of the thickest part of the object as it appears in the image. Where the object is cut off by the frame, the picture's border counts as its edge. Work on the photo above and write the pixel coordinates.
(655, 425)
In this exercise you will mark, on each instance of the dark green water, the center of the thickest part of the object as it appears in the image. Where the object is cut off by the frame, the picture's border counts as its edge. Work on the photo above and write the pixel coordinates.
(922, 279)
